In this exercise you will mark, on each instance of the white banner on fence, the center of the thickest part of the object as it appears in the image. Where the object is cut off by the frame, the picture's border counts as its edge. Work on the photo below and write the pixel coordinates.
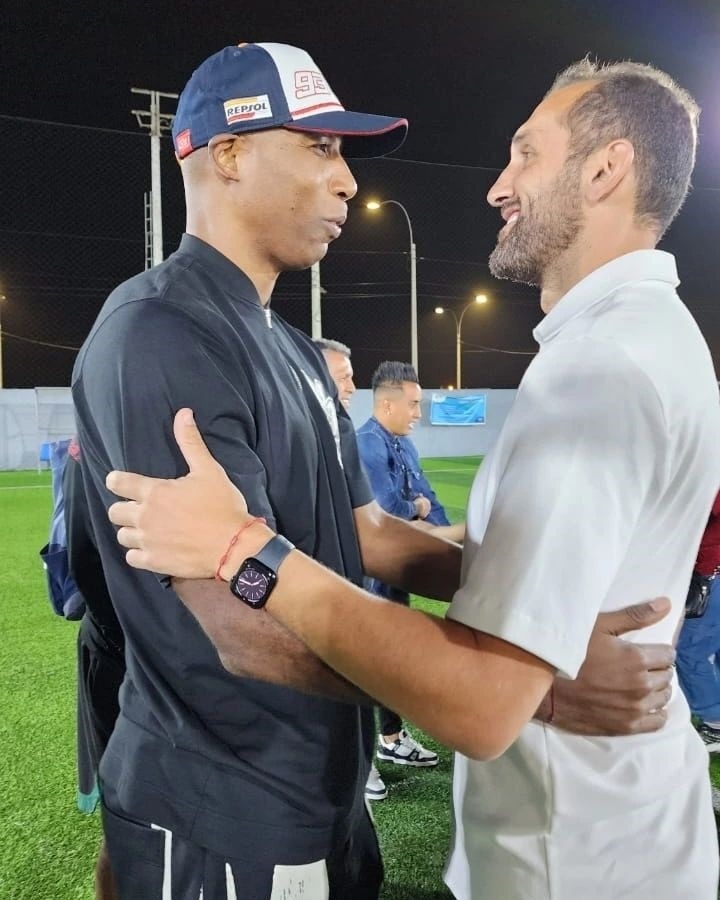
(30, 418)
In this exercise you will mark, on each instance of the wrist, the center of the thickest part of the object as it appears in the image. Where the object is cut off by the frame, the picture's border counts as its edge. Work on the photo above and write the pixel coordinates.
(249, 542)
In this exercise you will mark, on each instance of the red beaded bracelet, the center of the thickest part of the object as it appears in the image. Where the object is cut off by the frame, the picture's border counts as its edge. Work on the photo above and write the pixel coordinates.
(233, 541)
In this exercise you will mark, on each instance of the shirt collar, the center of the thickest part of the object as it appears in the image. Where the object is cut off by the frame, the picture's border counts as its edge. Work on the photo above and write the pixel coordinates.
(641, 265)
(388, 434)
(231, 277)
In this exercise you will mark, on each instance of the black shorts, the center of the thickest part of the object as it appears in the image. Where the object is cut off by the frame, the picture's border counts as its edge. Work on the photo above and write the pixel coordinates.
(153, 864)
(100, 671)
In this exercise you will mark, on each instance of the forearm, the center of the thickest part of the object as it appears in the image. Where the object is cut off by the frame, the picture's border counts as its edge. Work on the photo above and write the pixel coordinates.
(454, 533)
(253, 644)
(386, 490)
(471, 691)
(622, 687)
(468, 690)
(546, 711)
(407, 557)
(437, 514)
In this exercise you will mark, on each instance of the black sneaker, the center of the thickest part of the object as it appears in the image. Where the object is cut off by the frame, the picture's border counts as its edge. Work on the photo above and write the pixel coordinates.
(405, 751)
(710, 736)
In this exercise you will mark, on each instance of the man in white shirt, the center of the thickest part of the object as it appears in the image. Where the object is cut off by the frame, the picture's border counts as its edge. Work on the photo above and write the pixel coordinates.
(597, 491)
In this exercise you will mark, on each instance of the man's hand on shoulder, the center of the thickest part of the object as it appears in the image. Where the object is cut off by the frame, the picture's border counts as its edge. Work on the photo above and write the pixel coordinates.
(622, 687)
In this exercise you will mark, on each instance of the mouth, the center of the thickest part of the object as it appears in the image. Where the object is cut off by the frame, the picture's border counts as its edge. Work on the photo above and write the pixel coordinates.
(335, 226)
(511, 214)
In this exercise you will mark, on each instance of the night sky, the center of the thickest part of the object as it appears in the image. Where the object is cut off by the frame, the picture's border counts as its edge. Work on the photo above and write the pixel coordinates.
(465, 74)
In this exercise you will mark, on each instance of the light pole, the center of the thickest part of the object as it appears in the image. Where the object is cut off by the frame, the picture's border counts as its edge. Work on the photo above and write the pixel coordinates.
(158, 123)
(374, 205)
(440, 310)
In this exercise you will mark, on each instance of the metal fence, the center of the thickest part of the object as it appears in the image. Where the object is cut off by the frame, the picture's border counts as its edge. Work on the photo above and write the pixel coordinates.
(72, 228)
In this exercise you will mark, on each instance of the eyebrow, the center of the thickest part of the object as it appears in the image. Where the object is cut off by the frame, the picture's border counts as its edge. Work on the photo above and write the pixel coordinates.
(519, 137)
(312, 136)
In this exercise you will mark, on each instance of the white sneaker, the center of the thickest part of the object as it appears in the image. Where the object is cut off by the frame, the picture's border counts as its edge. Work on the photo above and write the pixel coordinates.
(405, 751)
(375, 788)
(710, 735)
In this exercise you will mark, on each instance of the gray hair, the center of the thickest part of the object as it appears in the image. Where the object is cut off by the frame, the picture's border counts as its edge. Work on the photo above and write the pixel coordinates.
(644, 105)
(335, 346)
(392, 374)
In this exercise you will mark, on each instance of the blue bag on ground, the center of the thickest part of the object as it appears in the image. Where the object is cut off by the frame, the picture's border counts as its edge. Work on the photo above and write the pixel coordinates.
(64, 596)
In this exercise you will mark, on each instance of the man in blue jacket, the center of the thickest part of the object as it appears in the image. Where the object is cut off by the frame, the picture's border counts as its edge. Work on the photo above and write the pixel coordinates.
(401, 488)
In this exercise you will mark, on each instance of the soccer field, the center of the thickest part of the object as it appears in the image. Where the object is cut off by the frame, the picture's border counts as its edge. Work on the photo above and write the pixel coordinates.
(47, 848)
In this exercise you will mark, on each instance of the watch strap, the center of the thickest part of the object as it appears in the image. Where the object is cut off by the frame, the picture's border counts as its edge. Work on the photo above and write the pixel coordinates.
(274, 552)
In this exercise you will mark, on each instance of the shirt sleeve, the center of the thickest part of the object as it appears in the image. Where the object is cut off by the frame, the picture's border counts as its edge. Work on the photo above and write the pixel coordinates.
(437, 514)
(581, 452)
(146, 361)
(374, 456)
(360, 491)
(83, 556)
(420, 484)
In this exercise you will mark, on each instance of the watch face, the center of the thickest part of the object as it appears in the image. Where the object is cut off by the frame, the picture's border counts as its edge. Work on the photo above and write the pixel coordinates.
(252, 584)
(256, 578)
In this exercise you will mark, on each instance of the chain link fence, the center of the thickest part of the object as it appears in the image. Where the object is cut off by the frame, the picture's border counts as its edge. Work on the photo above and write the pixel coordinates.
(72, 228)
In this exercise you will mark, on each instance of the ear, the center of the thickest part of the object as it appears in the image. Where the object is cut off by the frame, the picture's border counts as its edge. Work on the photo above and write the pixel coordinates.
(226, 151)
(607, 168)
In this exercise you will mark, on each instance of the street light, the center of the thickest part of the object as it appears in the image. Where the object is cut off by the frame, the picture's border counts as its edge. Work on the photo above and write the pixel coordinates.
(374, 205)
(440, 310)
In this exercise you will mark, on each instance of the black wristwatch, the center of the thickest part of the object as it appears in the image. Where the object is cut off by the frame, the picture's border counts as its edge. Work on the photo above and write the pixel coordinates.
(256, 577)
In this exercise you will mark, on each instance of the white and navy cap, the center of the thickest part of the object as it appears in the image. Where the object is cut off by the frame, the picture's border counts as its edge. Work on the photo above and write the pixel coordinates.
(257, 86)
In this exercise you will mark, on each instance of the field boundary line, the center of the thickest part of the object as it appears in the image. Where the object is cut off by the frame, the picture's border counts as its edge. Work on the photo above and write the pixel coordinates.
(431, 471)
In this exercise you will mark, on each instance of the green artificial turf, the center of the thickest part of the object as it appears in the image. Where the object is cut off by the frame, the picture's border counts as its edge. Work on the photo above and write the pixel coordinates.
(48, 848)
(414, 821)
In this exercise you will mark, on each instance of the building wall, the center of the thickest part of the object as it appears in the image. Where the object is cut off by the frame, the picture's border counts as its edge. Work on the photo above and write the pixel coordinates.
(447, 440)
(31, 417)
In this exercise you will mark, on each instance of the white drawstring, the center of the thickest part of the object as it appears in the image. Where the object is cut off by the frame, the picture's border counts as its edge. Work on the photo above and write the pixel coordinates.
(167, 863)
(230, 882)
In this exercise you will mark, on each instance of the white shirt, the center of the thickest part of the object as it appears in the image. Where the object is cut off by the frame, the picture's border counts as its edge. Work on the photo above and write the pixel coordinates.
(594, 497)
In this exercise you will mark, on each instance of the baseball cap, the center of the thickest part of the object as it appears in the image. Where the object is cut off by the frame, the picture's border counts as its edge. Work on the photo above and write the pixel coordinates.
(258, 86)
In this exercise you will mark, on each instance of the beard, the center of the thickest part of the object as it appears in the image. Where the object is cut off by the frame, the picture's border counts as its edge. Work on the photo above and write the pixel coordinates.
(547, 228)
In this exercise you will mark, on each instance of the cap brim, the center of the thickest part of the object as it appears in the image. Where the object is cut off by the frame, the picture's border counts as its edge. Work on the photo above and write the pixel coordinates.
(364, 135)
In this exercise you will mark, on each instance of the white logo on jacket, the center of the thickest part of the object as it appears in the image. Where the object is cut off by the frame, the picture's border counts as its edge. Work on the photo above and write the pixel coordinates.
(328, 406)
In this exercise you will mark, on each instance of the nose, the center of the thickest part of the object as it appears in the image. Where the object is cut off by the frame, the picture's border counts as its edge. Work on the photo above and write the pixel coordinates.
(351, 387)
(502, 190)
(343, 184)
